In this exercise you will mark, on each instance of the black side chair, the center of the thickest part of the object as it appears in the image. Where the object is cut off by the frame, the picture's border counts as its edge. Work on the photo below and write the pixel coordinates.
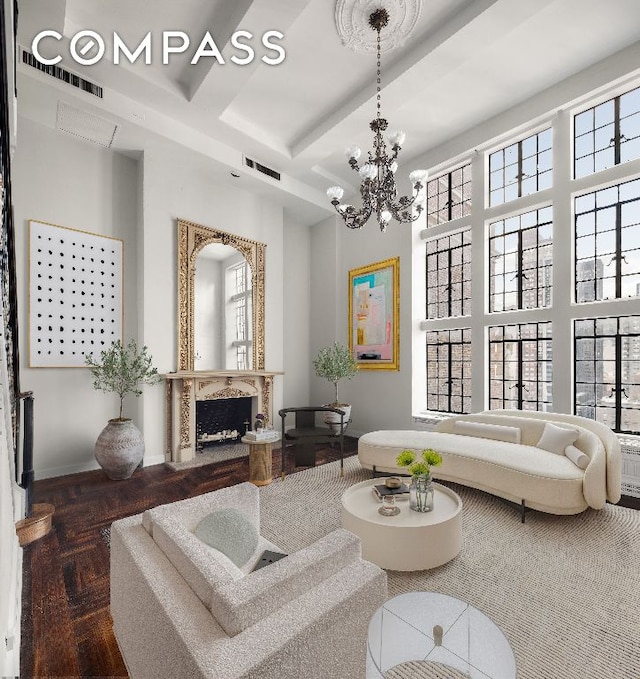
(305, 435)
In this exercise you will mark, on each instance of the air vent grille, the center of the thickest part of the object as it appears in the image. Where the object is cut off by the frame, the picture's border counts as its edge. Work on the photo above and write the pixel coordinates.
(262, 168)
(85, 125)
(62, 74)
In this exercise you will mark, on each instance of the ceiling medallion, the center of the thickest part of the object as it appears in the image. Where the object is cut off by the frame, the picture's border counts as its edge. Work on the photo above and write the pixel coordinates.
(352, 23)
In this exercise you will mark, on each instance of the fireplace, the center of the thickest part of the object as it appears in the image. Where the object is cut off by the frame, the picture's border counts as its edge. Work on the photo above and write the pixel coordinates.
(185, 390)
(222, 421)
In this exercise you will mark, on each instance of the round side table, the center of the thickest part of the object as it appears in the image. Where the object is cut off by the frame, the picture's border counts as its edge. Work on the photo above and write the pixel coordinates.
(436, 628)
(260, 473)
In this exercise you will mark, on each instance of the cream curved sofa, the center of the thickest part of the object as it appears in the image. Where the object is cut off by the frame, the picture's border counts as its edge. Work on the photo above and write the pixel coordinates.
(519, 472)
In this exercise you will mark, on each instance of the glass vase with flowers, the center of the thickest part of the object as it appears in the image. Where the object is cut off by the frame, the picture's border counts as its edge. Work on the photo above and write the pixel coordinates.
(421, 487)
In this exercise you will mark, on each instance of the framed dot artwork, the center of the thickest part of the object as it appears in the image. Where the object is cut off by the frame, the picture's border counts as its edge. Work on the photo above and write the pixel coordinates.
(75, 295)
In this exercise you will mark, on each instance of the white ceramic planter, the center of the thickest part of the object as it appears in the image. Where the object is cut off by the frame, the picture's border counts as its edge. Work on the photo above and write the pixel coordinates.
(333, 419)
(119, 449)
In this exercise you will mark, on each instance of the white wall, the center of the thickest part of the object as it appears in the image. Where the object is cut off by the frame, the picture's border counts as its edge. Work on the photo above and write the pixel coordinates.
(381, 399)
(64, 181)
(325, 263)
(179, 184)
(297, 315)
(71, 183)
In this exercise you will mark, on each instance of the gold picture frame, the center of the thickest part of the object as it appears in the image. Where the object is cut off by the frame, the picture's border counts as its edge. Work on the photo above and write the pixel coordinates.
(374, 315)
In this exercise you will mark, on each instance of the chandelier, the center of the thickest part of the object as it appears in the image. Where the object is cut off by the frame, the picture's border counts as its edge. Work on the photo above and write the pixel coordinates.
(378, 186)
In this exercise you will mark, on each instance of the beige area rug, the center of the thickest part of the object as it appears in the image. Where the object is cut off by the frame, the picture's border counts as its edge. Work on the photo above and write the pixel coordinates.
(565, 590)
(211, 454)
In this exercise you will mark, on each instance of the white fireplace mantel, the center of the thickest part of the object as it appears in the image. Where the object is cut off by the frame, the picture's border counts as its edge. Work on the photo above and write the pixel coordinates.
(184, 388)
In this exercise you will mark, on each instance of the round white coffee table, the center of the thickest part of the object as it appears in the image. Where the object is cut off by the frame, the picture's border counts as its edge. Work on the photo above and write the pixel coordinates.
(409, 541)
(434, 627)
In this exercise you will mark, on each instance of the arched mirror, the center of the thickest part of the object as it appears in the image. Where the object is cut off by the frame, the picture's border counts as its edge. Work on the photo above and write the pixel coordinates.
(220, 300)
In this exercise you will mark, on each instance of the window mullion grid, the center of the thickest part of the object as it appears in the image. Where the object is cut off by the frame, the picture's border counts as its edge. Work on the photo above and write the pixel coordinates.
(574, 370)
(505, 396)
(575, 256)
(538, 271)
(603, 336)
(449, 373)
(619, 249)
(610, 401)
(449, 196)
(520, 177)
(520, 272)
(519, 386)
(616, 131)
(618, 391)
(449, 282)
(537, 157)
(493, 376)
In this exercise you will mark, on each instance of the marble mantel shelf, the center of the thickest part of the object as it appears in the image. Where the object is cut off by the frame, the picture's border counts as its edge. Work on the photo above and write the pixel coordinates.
(234, 374)
(183, 388)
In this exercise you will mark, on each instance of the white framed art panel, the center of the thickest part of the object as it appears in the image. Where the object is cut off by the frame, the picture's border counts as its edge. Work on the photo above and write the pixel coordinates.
(75, 294)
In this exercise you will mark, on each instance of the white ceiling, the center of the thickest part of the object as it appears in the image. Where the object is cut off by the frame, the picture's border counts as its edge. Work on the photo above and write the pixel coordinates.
(464, 62)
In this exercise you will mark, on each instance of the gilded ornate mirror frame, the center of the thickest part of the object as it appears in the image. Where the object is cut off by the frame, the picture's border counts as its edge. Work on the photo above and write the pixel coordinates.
(191, 239)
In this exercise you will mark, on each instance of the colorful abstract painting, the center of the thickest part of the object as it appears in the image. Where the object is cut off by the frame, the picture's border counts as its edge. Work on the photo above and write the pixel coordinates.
(374, 315)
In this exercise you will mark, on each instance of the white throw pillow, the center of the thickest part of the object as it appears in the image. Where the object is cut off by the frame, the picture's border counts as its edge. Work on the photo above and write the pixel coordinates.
(556, 439)
(496, 432)
(577, 457)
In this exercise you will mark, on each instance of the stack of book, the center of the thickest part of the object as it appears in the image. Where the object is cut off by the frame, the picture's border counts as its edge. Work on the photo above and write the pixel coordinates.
(261, 434)
(381, 490)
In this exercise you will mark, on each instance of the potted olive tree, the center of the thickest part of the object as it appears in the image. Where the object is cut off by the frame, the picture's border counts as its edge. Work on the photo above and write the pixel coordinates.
(336, 363)
(121, 370)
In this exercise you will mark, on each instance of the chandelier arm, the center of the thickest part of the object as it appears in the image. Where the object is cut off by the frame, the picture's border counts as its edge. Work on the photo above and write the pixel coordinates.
(402, 211)
(405, 216)
(405, 202)
(354, 219)
(396, 150)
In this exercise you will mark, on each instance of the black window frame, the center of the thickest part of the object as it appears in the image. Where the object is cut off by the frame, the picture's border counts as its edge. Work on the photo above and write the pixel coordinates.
(618, 391)
(519, 396)
(445, 247)
(520, 176)
(543, 272)
(434, 194)
(447, 339)
(618, 138)
(605, 260)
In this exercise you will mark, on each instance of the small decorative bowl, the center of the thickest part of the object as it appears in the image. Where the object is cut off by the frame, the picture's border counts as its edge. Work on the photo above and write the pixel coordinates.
(393, 482)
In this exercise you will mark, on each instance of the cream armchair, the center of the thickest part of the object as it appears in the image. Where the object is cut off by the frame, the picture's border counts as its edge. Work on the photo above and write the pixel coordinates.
(180, 609)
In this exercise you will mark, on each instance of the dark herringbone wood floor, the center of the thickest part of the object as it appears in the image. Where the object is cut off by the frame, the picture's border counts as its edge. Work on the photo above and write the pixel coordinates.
(66, 626)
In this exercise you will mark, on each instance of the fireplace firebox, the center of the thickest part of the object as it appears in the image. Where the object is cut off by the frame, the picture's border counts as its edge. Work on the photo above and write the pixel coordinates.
(221, 421)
